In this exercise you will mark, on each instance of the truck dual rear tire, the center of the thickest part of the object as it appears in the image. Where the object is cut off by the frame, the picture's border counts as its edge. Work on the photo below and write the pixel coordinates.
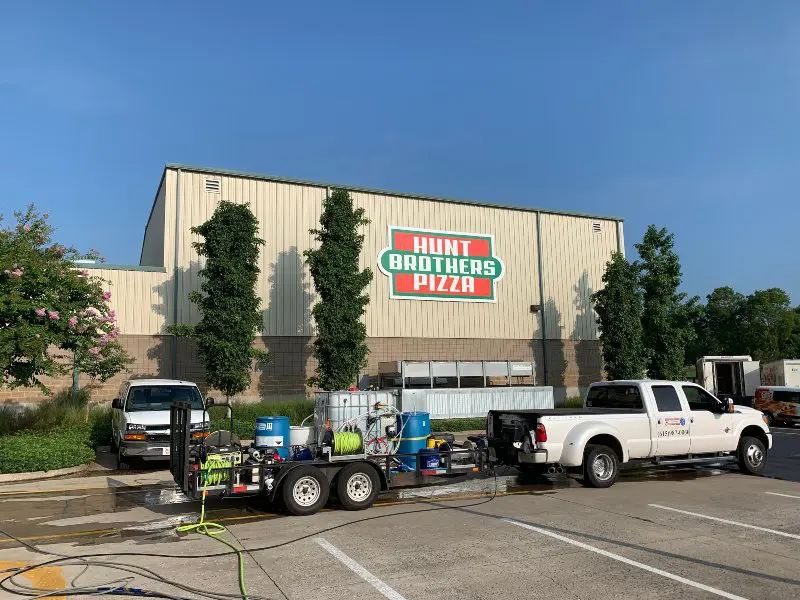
(751, 455)
(600, 467)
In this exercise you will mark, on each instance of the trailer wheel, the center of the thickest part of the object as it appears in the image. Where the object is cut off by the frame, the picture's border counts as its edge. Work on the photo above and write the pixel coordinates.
(600, 467)
(357, 486)
(305, 490)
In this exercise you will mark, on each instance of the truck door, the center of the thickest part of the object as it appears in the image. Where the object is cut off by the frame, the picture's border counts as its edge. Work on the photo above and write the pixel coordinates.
(708, 378)
(672, 422)
(752, 377)
(712, 430)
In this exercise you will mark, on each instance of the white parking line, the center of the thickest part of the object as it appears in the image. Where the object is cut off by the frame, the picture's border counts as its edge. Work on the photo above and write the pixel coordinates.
(356, 568)
(737, 523)
(627, 561)
(783, 495)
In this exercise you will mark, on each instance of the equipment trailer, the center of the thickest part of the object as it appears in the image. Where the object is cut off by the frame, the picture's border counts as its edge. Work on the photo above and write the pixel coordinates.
(221, 466)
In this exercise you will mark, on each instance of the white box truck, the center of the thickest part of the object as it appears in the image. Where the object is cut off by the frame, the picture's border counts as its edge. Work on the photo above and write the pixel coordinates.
(782, 373)
(735, 377)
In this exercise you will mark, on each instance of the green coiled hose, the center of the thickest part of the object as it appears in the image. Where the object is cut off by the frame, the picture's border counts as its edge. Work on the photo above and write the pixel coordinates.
(346, 442)
(210, 476)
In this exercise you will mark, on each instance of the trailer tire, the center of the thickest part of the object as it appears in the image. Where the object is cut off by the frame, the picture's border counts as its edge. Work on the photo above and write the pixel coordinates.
(600, 466)
(751, 455)
(304, 490)
(358, 486)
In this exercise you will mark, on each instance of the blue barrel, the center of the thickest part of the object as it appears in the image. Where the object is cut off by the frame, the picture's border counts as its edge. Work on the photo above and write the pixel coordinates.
(273, 432)
(414, 429)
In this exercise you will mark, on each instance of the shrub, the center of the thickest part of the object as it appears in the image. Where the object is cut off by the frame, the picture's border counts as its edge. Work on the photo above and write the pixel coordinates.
(245, 414)
(450, 425)
(40, 451)
(61, 411)
(574, 402)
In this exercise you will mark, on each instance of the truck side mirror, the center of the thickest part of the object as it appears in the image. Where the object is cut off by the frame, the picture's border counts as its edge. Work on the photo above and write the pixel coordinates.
(729, 408)
(210, 402)
(116, 403)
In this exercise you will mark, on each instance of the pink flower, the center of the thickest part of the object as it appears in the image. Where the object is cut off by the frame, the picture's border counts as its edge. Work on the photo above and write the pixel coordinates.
(94, 351)
(18, 272)
(53, 314)
(104, 339)
(73, 320)
(106, 296)
(40, 312)
(27, 227)
(84, 273)
(114, 332)
(112, 314)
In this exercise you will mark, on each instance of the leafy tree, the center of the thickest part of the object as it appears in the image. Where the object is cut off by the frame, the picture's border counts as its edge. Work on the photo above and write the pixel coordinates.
(229, 306)
(340, 347)
(619, 310)
(49, 306)
(665, 319)
(768, 324)
(721, 329)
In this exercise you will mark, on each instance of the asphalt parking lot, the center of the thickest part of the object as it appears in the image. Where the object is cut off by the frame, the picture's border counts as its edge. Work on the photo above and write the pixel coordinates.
(679, 533)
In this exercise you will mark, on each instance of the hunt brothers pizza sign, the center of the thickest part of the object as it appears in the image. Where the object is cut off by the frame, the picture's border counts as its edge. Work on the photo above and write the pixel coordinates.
(440, 265)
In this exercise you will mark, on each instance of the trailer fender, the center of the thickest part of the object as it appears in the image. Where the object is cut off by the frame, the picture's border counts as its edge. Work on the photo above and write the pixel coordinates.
(595, 433)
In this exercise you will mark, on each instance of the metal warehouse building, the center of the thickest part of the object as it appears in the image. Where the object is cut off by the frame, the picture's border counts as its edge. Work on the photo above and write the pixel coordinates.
(453, 280)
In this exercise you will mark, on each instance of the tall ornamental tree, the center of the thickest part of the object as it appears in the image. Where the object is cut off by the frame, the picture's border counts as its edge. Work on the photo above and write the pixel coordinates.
(619, 310)
(667, 330)
(53, 314)
(340, 346)
(229, 306)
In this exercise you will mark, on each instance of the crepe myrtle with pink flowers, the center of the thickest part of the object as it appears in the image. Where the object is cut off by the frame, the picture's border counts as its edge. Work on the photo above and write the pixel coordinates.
(52, 314)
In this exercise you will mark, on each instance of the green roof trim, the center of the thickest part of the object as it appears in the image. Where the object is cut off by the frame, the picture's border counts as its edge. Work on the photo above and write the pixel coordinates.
(110, 267)
(213, 171)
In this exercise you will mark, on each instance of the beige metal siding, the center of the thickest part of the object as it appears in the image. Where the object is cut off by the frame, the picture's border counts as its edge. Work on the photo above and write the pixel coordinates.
(574, 259)
(153, 245)
(141, 299)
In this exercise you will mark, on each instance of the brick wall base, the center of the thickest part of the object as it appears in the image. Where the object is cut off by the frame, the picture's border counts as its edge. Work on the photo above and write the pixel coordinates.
(571, 364)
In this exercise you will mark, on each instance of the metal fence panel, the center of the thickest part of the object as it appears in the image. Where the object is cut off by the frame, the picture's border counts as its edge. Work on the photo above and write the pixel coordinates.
(456, 403)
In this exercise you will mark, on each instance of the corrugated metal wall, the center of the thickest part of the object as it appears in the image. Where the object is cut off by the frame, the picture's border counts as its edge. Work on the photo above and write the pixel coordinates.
(573, 257)
(141, 299)
(154, 238)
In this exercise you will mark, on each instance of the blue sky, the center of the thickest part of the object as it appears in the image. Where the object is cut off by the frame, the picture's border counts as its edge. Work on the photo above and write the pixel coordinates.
(682, 114)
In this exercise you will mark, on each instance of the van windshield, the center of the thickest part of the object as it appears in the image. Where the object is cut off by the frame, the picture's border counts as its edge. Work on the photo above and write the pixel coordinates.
(161, 397)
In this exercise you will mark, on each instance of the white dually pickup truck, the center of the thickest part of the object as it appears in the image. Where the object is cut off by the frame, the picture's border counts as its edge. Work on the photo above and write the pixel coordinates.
(656, 422)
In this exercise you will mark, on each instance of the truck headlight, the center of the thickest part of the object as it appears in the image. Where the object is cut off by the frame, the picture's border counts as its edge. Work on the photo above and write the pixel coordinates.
(134, 427)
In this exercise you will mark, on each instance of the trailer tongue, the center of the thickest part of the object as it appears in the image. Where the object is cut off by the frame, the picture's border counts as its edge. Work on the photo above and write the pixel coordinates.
(220, 465)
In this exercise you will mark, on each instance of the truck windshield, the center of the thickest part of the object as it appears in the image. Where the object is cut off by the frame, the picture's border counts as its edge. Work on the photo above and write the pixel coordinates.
(161, 397)
(615, 396)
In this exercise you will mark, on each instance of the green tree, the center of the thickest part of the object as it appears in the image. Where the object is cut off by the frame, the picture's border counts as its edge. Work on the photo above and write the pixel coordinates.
(667, 331)
(768, 325)
(52, 312)
(340, 346)
(229, 306)
(619, 315)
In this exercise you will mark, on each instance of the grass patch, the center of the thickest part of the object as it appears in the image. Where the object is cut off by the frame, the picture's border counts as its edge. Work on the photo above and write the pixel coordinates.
(245, 414)
(45, 451)
(451, 425)
(574, 402)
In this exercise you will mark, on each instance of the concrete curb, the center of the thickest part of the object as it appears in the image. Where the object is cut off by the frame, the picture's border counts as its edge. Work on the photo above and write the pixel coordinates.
(13, 477)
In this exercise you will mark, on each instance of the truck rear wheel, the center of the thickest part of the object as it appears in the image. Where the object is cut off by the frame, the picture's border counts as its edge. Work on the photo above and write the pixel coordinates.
(357, 486)
(600, 467)
(305, 490)
(751, 455)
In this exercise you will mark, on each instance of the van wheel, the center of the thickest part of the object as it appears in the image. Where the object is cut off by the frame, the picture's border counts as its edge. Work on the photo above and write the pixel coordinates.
(122, 461)
(357, 486)
(751, 455)
(305, 490)
(600, 467)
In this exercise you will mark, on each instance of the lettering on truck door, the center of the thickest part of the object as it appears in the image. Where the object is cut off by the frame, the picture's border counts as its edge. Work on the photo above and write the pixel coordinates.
(673, 426)
(712, 430)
